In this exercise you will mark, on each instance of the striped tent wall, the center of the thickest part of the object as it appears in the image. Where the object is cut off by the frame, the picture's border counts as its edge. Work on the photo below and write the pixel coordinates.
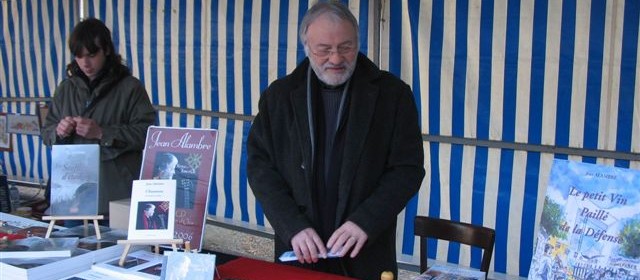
(511, 78)
(33, 58)
(524, 74)
(503, 88)
(218, 60)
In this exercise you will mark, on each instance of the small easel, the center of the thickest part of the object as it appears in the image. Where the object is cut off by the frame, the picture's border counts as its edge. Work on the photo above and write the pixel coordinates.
(155, 242)
(95, 219)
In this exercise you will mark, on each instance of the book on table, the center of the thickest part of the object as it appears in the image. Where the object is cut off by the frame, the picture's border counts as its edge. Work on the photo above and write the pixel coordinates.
(80, 231)
(16, 227)
(108, 239)
(186, 155)
(137, 265)
(75, 177)
(442, 272)
(37, 247)
(89, 250)
(89, 275)
(59, 267)
(589, 226)
(185, 265)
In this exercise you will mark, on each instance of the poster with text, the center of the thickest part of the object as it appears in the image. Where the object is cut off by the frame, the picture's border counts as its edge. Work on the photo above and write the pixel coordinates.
(590, 224)
(187, 156)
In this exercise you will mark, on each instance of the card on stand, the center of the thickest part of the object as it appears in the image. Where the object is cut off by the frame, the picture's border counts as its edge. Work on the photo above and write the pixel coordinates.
(152, 211)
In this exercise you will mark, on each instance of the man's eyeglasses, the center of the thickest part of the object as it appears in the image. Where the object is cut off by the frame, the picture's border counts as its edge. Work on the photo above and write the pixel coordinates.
(327, 52)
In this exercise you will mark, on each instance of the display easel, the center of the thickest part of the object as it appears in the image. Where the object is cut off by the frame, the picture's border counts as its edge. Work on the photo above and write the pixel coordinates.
(154, 242)
(86, 219)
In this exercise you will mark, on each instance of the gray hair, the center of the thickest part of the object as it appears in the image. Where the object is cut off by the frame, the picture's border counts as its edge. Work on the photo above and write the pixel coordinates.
(337, 12)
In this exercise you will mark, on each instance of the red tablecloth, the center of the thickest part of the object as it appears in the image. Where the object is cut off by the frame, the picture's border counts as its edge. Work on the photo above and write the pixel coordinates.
(250, 269)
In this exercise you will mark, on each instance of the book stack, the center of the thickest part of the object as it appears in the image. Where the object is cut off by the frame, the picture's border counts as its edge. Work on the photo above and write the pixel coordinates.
(64, 256)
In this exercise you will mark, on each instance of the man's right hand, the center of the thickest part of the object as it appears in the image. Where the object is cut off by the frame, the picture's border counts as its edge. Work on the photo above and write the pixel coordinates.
(65, 127)
(308, 246)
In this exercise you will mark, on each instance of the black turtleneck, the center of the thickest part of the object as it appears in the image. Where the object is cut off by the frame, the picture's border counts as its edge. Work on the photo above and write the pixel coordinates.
(330, 139)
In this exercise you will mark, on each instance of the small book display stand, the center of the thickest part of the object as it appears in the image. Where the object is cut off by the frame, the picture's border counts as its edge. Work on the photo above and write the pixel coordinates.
(154, 242)
(86, 219)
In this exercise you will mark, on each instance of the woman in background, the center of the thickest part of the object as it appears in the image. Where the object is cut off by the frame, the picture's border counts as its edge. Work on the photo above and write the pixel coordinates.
(101, 103)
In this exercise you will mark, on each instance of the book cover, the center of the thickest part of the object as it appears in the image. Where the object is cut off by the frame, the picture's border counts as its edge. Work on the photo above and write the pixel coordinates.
(89, 275)
(152, 211)
(442, 272)
(22, 222)
(37, 247)
(590, 224)
(75, 177)
(16, 227)
(137, 265)
(187, 156)
(188, 266)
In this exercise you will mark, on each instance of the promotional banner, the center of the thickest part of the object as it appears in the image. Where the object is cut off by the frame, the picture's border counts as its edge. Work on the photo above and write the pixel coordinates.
(590, 224)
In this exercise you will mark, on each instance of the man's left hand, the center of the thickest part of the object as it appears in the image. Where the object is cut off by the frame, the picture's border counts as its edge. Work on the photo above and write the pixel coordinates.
(88, 128)
(348, 236)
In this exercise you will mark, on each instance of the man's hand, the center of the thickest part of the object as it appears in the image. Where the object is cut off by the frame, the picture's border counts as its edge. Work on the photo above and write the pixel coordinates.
(347, 236)
(308, 246)
(88, 128)
(65, 127)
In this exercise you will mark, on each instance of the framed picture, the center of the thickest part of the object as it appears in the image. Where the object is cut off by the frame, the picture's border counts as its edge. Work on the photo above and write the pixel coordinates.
(5, 136)
(23, 124)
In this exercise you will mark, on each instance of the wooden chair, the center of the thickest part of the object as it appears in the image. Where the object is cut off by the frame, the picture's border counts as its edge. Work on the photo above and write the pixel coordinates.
(464, 233)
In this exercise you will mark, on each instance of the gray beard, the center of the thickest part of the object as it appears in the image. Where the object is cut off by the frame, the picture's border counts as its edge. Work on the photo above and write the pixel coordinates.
(333, 80)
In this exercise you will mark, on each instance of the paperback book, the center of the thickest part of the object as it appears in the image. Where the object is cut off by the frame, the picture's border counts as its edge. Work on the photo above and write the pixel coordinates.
(89, 275)
(590, 223)
(43, 267)
(443, 272)
(75, 174)
(60, 267)
(187, 156)
(37, 247)
(137, 265)
(152, 211)
(108, 239)
(185, 265)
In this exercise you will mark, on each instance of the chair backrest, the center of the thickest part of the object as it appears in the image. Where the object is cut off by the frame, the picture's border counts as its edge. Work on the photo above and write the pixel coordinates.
(464, 233)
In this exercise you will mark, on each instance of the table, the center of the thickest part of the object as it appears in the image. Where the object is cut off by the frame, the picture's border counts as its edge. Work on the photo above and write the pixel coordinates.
(243, 268)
